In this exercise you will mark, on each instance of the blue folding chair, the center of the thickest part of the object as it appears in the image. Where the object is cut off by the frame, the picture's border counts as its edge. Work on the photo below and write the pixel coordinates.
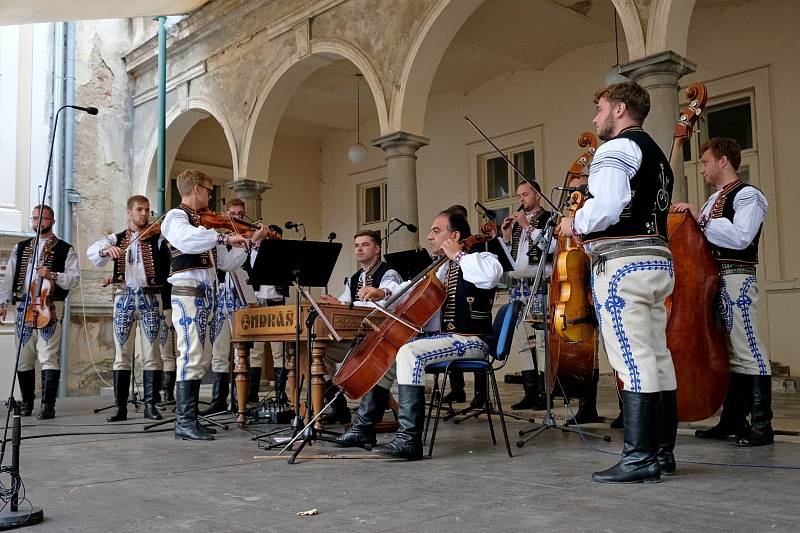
(499, 348)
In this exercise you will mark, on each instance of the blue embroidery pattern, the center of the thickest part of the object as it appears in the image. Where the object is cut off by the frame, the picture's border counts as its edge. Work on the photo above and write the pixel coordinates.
(204, 306)
(150, 315)
(47, 333)
(457, 349)
(23, 332)
(123, 316)
(725, 305)
(614, 305)
(185, 323)
(596, 303)
(163, 333)
(743, 303)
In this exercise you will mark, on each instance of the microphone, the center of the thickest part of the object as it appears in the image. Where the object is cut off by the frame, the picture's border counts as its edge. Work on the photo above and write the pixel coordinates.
(331, 236)
(410, 227)
(293, 225)
(90, 110)
(485, 211)
(581, 189)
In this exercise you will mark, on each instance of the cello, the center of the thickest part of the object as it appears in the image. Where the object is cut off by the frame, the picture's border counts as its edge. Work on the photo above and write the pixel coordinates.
(694, 336)
(372, 355)
(572, 323)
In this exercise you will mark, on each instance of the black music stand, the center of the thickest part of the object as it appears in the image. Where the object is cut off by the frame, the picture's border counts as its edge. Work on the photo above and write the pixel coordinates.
(302, 264)
(408, 263)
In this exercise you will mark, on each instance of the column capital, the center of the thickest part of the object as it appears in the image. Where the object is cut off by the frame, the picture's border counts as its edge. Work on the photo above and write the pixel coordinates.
(400, 143)
(668, 63)
(247, 188)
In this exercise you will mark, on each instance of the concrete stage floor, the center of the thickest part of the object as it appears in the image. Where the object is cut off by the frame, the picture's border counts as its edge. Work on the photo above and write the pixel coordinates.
(137, 482)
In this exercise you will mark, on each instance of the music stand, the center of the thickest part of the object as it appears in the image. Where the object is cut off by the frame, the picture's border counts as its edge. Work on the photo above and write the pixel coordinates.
(408, 263)
(302, 264)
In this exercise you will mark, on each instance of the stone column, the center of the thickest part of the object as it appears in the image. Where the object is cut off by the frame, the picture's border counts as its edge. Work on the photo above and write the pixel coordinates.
(401, 184)
(250, 191)
(659, 74)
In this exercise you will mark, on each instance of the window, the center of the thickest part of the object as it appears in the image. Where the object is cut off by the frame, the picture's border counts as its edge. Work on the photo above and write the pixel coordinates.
(372, 204)
(498, 185)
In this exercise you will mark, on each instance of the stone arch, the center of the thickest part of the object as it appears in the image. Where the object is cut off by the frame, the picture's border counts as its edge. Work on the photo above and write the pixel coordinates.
(668, 26)
(281, 87)
(632, 27)
(180, 120)
(410, 96)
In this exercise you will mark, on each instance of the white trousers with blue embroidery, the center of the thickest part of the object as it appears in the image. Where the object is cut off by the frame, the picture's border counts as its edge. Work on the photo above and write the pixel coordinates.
(166, 338)
(738, 304)
(140, 313)
(415, 355)
(42, 344)
(192, 317)
(629, 295)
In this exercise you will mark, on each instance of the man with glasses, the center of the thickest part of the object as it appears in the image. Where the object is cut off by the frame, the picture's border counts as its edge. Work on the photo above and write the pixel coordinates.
(56, 261)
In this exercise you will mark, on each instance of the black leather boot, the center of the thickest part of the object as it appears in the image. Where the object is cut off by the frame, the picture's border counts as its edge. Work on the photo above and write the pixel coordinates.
(587, 406)
(152, 382)
(49, 392)
(370, 411)
(219, 394)
(533, 384)
(481, 391)
(407, 443)
(27, 390)
(669, 432)
(200, 427)
(456, 394)
(255, 384)
(735, 407)
(122, 383)
(640, 448)
(339, 412)
(761, 432)
(280, 384)
(168, 385)
(186, 412)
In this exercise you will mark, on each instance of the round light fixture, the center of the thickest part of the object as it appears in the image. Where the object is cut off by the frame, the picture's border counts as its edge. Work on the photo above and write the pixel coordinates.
(357, 153)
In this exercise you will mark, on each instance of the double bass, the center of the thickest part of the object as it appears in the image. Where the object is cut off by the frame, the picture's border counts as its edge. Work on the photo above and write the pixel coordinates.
(694, 336)
(571, 314)
(373, 354)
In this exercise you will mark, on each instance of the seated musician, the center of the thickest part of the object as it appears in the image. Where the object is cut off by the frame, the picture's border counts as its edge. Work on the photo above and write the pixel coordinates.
(229, 300)
(195, 253)
(464, 325)
(140, 274)
(523, 239)
(374, 281)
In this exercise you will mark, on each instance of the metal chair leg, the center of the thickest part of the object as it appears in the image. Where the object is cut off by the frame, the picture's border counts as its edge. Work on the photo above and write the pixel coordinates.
(438, 412)
(500, 411)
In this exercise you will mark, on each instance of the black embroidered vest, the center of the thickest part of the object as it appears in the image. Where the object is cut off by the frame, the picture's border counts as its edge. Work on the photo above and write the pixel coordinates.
(539, 222)
(156, 260)
(467, 309)
(651, 193)
(723, 208)
(55, 263)
(372, 278)
(180, 261)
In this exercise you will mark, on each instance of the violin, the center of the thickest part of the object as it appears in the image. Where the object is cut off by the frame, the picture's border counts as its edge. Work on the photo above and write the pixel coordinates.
(146, 233)
(40, 312)
(223, 221)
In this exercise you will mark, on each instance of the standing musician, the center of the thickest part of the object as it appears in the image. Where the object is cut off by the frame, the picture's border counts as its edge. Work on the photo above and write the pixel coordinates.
(624, 227)
(195, 253)
(58, 263)
(523, 238)
(374, 281)
(141, 265)
(465, 323)
(731, 220)
(228, 300)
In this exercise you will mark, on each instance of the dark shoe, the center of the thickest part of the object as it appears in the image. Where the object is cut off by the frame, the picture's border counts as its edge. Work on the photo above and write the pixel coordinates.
(280, 385)
(669, 432)
(533, 384)
(587, 406)
(641, 442)
(255, 384)
(152, 383)
(50, 380)
(761, 432)
(733, 419)
(583, 417)
(407, 443)
(370, 411)
(456, 394)
(168, 385)
(219, 394)
(186, 413)
(122, 383)
(339, 412)
(481, 391)
(27, 389)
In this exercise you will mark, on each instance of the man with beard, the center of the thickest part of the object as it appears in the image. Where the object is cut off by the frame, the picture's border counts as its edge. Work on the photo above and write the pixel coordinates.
(140, 274)
(624, 226)
(56, 261)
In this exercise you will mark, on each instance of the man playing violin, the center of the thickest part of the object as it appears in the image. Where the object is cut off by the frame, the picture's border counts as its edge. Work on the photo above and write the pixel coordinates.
(196, 252)
(229, 300)
(464, 325)
(141, 265)
(58, 263)
(624, 228)
(731, 220)
(373, 274)
(523, 239)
